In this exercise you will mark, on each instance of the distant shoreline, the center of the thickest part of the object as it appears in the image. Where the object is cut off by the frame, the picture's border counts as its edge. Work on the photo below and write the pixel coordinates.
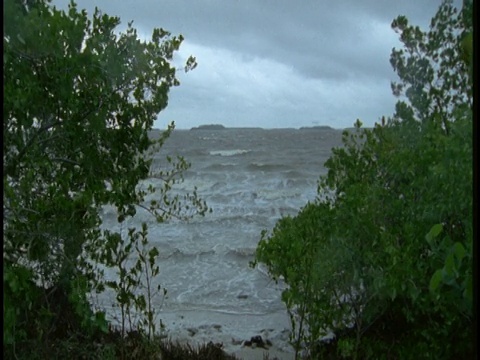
(209, 127)
(218, 127)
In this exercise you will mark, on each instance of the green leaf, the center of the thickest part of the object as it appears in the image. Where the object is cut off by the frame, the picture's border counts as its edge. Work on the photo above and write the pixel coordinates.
(459, 251)
(449, 268)
(433, 233)
(435, 280)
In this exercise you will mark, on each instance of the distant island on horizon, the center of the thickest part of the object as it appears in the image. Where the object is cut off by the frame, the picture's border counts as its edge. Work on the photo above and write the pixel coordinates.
(317, 127)
(223, 127)
(209, 127)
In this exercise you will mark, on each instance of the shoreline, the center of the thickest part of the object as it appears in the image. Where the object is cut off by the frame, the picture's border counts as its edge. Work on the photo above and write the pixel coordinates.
(198, 327)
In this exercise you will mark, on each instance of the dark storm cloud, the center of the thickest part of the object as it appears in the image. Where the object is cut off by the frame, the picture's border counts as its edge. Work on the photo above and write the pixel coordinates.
(278, 59)
(312, 35)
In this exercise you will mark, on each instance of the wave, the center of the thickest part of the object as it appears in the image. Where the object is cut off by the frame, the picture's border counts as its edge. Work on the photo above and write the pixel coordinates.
(228, 152)
(268, 167)
(241, 252)
(240, 215)
(298, 183)
(221, 250)
(194, 307)
(221, 167)
(294, 174)
(177, 253)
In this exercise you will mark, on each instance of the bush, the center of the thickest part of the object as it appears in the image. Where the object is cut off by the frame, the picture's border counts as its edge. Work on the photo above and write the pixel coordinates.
(386, 262)
(79, 101)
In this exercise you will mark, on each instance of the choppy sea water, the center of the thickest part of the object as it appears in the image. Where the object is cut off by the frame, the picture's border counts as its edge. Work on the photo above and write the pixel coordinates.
(250, 178)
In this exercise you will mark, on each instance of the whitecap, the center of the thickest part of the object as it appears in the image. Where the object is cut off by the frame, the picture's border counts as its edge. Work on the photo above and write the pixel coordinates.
(228, 152)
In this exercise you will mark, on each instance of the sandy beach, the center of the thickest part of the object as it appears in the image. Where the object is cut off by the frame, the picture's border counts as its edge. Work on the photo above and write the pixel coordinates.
(231, 330)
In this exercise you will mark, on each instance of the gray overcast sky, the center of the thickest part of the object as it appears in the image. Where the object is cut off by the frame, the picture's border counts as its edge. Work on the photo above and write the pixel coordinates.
(276, 63)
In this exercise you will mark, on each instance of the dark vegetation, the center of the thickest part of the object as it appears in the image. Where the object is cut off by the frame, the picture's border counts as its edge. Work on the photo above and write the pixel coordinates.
(384, 261)
(79, 101)
(383, 258)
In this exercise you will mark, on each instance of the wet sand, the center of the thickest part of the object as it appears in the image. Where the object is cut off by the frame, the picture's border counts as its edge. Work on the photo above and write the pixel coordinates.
(231, 330)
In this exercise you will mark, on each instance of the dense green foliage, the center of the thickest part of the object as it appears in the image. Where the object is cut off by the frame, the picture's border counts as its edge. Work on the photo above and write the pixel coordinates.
(79, 101)
(383, 257)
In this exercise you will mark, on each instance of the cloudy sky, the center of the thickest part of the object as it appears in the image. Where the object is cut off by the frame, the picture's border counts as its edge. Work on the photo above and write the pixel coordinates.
(276, 63)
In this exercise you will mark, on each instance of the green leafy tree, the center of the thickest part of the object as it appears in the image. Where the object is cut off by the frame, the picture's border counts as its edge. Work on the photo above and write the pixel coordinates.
(388, 253)
(79, 101)
(446, 52)
(434, 76)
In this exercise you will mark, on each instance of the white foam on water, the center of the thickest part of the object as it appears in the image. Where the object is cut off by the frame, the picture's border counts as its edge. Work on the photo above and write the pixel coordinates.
(204, 263)
(228, 152)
